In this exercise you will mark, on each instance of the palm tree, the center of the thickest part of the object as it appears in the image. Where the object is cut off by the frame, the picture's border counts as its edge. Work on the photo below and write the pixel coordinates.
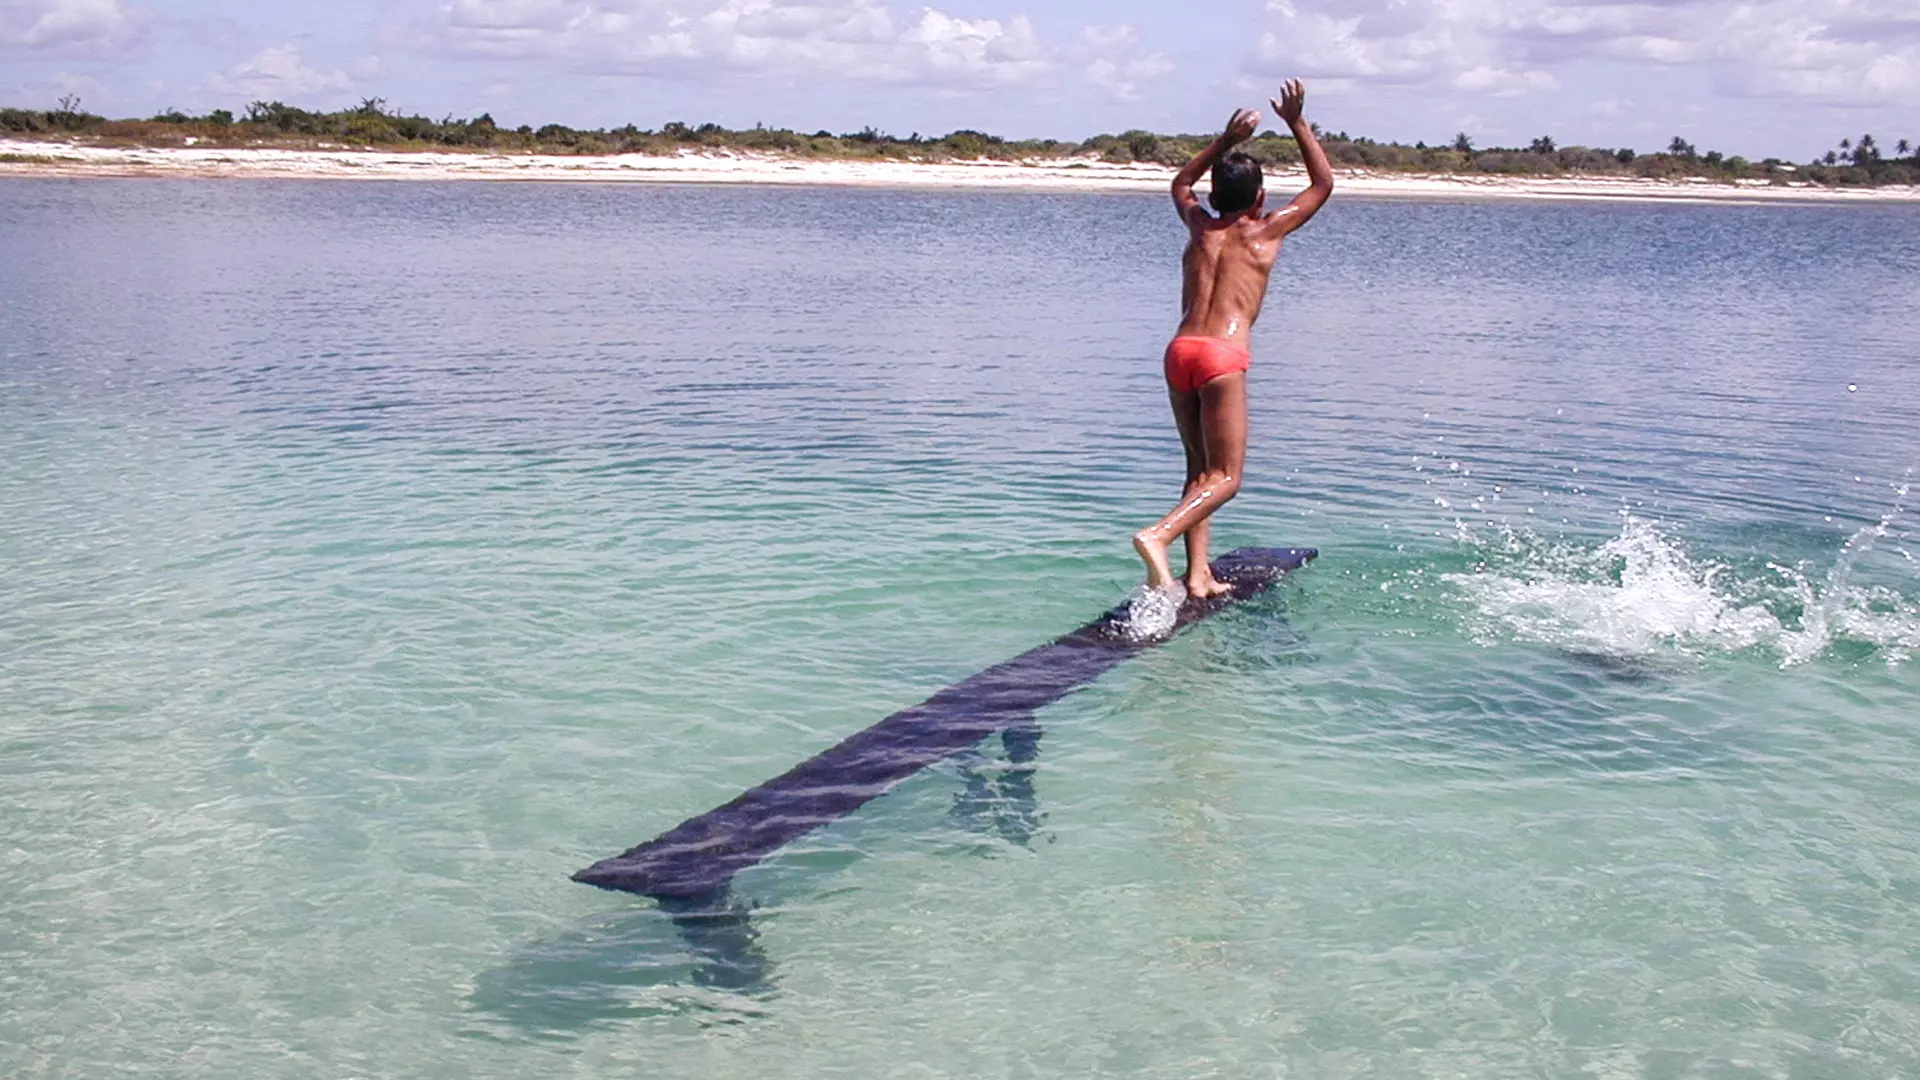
(1463, 143)
(1680, 147)
(1903, 148)
(1542, 145)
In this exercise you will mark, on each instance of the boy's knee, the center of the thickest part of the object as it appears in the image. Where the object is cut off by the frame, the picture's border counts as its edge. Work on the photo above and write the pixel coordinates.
(1219, 485)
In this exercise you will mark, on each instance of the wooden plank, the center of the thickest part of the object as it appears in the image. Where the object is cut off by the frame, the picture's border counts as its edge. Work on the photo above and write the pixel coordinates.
(700, 856)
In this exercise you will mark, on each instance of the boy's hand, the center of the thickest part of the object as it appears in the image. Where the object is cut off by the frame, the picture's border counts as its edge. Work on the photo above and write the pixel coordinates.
(1292, 96)
(1243, 124)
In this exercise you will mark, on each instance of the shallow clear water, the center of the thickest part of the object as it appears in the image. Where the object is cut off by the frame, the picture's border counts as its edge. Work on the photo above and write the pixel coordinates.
(377, 555)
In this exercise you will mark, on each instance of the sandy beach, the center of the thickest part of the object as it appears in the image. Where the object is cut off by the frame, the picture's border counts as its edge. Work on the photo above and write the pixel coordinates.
(22, 157)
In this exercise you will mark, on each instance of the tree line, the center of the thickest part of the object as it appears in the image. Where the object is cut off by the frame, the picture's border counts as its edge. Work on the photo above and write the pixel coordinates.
(374, 123)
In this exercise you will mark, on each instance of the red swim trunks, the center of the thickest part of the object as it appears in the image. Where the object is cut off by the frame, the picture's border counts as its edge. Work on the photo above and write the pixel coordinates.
(1195, 361)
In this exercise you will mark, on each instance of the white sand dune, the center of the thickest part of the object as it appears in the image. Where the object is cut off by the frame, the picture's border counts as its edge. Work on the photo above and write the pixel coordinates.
(23, 157)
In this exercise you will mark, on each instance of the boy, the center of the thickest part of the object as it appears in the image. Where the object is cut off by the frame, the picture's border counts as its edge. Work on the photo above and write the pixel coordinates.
(1225, 273)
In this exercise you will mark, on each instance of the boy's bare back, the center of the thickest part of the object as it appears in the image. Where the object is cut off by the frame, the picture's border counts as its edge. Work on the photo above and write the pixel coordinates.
(1224, 275)
(1229, 257)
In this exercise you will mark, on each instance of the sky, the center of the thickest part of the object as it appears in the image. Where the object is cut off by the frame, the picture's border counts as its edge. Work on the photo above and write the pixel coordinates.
(1760, 78)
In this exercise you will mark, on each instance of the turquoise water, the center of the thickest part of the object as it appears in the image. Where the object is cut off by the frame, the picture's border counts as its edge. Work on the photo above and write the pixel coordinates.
(378, 555)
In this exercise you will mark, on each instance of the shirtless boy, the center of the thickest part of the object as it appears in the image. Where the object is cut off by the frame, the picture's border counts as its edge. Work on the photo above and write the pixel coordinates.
(1225, 272)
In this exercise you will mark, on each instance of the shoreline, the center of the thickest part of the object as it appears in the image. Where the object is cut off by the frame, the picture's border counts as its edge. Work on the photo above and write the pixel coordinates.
(35, 158)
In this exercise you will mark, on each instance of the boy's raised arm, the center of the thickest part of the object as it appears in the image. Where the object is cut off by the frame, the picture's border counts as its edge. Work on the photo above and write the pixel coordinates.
(1240, 128)
(1292, 98)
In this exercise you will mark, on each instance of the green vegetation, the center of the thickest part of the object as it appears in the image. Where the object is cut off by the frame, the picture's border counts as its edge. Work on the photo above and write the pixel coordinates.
(373, 124)
(67, 118)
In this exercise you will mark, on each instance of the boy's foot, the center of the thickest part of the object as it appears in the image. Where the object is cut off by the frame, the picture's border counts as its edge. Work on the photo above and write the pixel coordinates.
(1153, 552)
(1205, 585)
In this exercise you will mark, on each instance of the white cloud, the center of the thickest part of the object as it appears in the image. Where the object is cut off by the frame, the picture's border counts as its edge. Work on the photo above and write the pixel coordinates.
(976, 50)
(277, 74)
(1505, 82)
(68, 26)
(87, 87)
(1459, 44)
(1849, 53)
(1852, 52)
(856, 40)
(1116, 62)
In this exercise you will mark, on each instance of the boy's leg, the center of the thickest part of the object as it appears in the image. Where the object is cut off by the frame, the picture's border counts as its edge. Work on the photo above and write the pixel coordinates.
(1186, 417)
(1200, 580)
(1223, 426)
(1199, 575)
(1186, 414)
(1218, 429)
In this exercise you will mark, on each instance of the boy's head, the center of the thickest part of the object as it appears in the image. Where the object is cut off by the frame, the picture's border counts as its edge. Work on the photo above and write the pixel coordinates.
(1237, 184)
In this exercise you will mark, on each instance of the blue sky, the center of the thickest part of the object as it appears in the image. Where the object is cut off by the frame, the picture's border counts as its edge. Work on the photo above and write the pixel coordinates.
(1752, 77)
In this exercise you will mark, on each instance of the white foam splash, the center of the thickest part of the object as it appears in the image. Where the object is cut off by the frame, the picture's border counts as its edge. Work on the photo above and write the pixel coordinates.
(1641, 593)
(1152, 613)
(1839, 609)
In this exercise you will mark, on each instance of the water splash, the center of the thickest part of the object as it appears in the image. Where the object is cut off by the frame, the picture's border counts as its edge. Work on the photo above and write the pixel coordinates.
(1152, 613)
(1642, 594)
(1835, 610)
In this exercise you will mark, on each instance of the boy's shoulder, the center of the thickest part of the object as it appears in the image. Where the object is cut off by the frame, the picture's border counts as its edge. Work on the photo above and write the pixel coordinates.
(1242, 227)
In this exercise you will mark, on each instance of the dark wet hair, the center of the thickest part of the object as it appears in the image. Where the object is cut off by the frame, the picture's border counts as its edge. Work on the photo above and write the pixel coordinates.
(1236, 183)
